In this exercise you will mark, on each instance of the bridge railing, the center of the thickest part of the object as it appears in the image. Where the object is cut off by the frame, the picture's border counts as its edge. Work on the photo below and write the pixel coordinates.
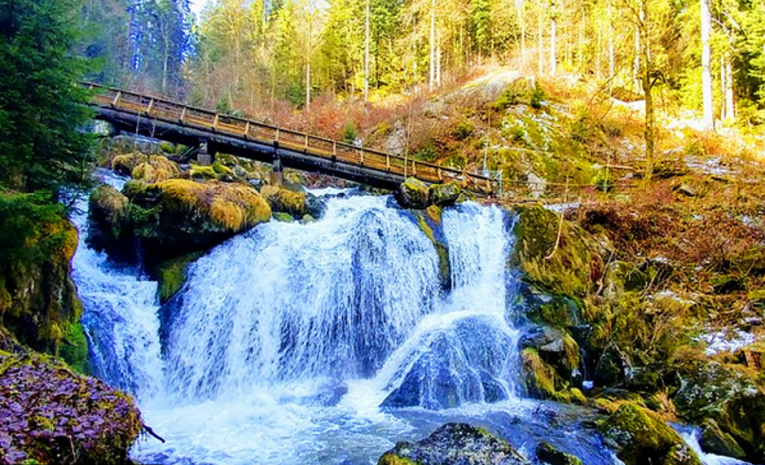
(178, 113)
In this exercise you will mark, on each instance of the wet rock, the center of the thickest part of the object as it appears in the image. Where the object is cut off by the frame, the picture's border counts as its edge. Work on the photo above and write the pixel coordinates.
(640, 437)
(556, 348)
(552, 456)
(717, 441)
(456, 367)
(729, 396)
(454, 444)
(108, 225)
(413, 194)
(296, 204)
(444, 194)
(66, 419)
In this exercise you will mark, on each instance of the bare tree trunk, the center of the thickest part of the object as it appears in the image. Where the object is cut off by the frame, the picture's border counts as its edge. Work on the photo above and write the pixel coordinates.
(540, 43)
(308, 83)
(432, 79)
(706, 58)
(522, 22)
(438, 61)
(553, 57)
(648, 90)
(366, 54)
(730, 108)
(636, 65)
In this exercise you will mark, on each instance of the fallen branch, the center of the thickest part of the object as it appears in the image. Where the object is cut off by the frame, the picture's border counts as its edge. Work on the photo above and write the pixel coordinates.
(152, 433)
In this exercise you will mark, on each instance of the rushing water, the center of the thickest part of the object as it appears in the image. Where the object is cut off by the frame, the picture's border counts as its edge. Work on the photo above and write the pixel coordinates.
(324, 342)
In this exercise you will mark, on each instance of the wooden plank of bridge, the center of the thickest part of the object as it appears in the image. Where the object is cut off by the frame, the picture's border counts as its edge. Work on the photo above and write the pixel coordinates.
(206, 119)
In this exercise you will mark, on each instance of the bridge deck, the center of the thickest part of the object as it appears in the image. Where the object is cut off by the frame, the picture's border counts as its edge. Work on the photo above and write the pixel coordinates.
(176, 122)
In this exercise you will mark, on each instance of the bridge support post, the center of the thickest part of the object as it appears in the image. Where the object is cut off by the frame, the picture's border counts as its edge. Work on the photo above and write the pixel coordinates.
(276, 177)
(204, 157)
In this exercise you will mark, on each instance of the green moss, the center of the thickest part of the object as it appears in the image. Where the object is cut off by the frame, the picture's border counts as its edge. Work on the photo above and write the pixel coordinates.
(641, 437)
(429, 223)
(567, 269)
(285, 201)
(539, 377)
(390, 458)
(221, 169)
(74, 348)
(283, 217)
(203, 173)
(172, 275)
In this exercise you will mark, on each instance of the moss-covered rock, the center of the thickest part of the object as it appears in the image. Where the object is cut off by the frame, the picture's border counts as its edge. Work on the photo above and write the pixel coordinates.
(569, 264)
(552, 456)
(444, 194)
(38, 301)
(757, 299)
(730, 396)
(717, 441)
(556, 347)
(180, 216)
(283, 217)
(296, 204)
(124, 164)
(155, 169)
(66, 419)
(542, 381)
(429, 222)
(413, 194)
(171, 275)
(108, 223)
(641, 437)
(454, 444)
(622, 277)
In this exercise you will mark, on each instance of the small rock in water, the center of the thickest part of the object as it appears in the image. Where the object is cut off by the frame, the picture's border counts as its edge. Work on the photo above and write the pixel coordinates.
(454, 444)
(552, 456)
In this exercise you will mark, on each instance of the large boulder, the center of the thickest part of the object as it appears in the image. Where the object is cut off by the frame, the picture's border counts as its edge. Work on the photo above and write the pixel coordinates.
(458, 364)
(108, 225)
(546, 453)
(413, 194)
(180, 216)
(444, 194)
(454, 444)
(50, 415)
(641, 437)
(155, 169)
(295, 204)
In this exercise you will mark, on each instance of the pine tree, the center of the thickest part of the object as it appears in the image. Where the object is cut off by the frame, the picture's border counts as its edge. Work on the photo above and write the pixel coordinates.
(41, 104)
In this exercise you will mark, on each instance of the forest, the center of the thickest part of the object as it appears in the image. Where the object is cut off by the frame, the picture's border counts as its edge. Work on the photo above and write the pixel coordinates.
(263, 56)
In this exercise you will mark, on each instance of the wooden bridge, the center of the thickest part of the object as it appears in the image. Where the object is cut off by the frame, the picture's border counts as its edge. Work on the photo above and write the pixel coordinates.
(216, 132)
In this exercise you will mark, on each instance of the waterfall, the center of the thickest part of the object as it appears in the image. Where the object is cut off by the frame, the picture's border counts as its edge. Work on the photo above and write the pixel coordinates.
(119, 314)
(292, 341)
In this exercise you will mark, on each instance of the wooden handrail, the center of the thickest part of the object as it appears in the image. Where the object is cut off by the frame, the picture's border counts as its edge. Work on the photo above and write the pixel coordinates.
(240, 127)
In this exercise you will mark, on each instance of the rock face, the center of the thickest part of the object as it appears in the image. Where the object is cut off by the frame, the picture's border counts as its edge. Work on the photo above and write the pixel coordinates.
(181, 216)
(38, 301)
(413, 194)
(733, 400)
(50, 415)
(641, 437)
(454, 444)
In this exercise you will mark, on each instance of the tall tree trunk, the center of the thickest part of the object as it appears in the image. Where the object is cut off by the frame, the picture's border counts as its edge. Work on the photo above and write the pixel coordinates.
(522, 22)
(706, 58)
(432, 79)
(438, 61)
(648, 90)
(366, 54)
(730, 109)
(308, 84)
(636, 65)
(540, 43)
(553, 30)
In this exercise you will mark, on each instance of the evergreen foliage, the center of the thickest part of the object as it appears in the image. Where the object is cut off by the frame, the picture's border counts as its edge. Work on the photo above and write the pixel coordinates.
(41, 104)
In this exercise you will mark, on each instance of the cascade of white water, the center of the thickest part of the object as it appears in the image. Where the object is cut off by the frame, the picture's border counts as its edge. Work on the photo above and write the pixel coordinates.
(119, 315)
